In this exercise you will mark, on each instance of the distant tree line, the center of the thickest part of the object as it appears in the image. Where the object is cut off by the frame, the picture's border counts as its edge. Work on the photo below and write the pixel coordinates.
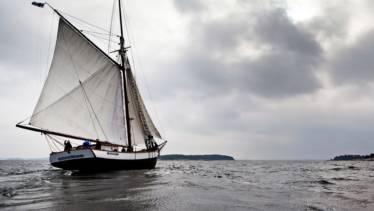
(355, 157)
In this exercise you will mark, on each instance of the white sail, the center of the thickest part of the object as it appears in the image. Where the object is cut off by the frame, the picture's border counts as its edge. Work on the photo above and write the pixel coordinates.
(82, 95)
(145, 121)
(137, 135)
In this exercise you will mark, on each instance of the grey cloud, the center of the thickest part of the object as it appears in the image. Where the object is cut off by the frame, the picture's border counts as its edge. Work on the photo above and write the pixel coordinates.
(278, 74)
(286, 70)
(332, 23)
(194, 73)
(213, 99)
(19, 39)
(193, 6)
(222, 35)
(289, 68)
(13, 30)
(275, 28)
(354, 64)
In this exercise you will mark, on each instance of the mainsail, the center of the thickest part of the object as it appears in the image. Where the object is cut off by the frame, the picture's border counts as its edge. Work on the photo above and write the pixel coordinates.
(83, 91)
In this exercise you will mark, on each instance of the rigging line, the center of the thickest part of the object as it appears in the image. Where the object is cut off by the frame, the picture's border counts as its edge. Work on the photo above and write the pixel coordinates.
(85, 94)
(56, 147)
(61, 98)
(55, 139)
(49, 42)
(49, 144)
(127, 31)
(146, 120)
(98, 33)
(86, 38)
(97, 119)
(131, 101)
(137, 108)
(111, 25)
(86, 97)
(153, 108)
(68, 93)
(137, 105)
(134, 66)
(99, 37)
(87, 102)
(134, 105)
(83, 21)
(47, 61)
(39, 54)
(133, 61)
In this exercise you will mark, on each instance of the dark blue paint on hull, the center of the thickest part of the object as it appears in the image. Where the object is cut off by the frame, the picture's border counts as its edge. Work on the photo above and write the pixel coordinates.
(101, 164)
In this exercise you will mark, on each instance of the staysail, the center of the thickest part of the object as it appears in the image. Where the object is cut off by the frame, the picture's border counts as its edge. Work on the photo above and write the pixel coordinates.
(83, 91)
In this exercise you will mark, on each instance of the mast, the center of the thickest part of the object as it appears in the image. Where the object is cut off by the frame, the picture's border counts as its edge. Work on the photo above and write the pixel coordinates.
(122, 53)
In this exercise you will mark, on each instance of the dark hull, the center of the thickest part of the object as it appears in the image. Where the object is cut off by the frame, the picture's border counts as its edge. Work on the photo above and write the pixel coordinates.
(102, 164)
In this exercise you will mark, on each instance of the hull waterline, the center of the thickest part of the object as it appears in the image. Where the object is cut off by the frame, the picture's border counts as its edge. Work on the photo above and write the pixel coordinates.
(97, 160)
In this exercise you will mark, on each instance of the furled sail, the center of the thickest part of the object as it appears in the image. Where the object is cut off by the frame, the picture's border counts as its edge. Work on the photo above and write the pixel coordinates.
(141, 123)
(83, 91)
(145, 120)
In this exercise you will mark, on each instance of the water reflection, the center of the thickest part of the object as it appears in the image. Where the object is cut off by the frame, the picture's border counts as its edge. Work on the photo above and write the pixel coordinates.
(119, 189)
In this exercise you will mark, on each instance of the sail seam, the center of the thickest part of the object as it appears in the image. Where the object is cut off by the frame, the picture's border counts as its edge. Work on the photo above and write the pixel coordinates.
(67, 94)
(97, 119)
(87, 101)
(88, 40)
(73, 90)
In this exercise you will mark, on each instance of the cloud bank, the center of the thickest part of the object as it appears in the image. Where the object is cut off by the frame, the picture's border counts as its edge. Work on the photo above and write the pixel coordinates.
(253, 79)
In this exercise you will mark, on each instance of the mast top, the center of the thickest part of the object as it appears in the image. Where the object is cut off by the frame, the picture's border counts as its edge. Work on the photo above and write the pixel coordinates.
(122, 50)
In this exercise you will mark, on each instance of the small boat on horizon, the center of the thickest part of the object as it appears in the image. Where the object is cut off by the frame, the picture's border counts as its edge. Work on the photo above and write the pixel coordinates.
(90, 98)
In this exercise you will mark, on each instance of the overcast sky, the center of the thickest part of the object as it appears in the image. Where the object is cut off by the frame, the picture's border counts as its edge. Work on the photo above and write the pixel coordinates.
(252, 79)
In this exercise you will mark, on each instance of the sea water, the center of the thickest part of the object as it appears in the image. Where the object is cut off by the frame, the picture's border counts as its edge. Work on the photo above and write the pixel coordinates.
(192, 185)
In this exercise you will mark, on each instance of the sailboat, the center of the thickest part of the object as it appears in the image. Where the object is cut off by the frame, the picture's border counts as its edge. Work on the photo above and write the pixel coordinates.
(90, 98)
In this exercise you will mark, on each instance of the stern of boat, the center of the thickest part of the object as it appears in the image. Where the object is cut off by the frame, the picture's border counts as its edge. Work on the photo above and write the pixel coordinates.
(70, 160)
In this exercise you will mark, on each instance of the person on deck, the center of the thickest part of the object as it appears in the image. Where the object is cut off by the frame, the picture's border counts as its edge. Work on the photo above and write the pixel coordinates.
(67, 145)
(86, 144)
(152, 143)
(130, 149)
(98, 145)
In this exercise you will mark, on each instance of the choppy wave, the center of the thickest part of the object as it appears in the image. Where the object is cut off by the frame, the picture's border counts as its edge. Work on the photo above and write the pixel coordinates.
(192, 185)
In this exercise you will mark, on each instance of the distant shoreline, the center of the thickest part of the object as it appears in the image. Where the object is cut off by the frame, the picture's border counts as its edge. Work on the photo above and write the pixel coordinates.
(354, 157)
(196, 157)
